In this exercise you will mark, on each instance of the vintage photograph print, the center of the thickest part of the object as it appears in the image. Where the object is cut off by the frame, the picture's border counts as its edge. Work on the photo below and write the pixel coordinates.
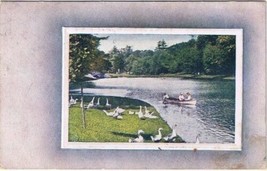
(145, 88)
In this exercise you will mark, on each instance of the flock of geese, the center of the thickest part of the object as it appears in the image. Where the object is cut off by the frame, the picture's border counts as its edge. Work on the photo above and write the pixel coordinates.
(91, 104)
(157, 138)
(142, 114)
(117, 113)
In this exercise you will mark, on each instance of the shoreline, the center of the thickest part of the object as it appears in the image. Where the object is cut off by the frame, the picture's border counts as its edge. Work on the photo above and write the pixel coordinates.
(182, 76)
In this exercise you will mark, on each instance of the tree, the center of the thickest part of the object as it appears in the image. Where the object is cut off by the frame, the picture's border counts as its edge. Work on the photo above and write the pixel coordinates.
(82, 54)
(101, 63)
(161, 45)
(227, 43)
(118, 63)
(127, 51)
(219, 58)
(214, 60)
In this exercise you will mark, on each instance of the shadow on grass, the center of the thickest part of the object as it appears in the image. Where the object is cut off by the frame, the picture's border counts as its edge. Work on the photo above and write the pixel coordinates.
(145, 136)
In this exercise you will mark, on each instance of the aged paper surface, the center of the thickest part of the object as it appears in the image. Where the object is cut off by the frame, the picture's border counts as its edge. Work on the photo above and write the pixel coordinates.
(31, 58)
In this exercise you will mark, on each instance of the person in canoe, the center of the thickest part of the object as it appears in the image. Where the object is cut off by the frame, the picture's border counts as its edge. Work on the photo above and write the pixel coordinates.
(188, 96)
(181, 97)
(165, 96)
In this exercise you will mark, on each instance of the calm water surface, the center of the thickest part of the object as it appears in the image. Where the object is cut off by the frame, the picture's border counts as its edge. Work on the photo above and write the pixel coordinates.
(213, 117)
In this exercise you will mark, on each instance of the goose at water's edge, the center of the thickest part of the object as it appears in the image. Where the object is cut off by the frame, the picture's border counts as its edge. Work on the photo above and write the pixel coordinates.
(197, 139)
(98, 101)
(158, 137)
(139, 139)
(172, 136)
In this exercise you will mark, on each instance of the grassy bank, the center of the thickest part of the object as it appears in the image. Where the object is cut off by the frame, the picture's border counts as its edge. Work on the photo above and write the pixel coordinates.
(179, 75)
(102, 128)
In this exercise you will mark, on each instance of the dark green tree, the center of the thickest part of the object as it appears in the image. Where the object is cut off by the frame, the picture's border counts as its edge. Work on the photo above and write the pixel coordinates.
(118, 63)
(161, 45)
(213, 60)
(227, 43)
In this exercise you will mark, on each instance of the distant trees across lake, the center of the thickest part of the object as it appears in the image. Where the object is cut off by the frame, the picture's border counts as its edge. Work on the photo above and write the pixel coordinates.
(203, 54)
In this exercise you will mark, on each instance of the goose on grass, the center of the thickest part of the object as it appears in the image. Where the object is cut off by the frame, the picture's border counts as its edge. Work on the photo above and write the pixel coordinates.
(109, 113)
(131, 112)
(140, 113)
(113, 114)
(72, 101)
(91, 103)
(150, 115)
(98, 102)
(139, 139)
(107, 103)
(146, 110)
(158, 137)
(117, 115)
(119, 110)
(171, 136)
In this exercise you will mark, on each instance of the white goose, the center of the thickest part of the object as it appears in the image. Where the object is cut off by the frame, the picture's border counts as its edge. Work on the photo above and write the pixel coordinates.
(73, 101)
(109, 113)
(119, 110)
(139, 139)
(140, 113)
(107, 103)
(197, 139)
(150, 115)
(131, 112)
(158, 137)
(171, 137)
(98, 102)
(91, 104)
(117, 115)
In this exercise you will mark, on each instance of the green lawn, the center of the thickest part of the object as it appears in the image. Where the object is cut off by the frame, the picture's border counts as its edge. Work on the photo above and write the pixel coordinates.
(102, 128)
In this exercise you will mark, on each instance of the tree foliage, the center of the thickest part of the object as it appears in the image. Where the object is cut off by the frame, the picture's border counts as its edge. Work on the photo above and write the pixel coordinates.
(83, 56)
(208, 54)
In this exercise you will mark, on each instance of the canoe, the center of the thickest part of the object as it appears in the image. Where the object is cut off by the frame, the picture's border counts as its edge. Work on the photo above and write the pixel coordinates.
(176, 101)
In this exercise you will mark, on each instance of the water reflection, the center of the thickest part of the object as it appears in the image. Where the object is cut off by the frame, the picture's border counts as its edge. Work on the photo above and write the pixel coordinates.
(212, 116)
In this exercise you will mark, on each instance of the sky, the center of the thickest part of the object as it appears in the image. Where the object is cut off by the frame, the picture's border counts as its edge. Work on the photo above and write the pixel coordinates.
(139, 41)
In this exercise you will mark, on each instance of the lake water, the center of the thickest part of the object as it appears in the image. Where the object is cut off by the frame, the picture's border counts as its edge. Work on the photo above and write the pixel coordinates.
(213, 117)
